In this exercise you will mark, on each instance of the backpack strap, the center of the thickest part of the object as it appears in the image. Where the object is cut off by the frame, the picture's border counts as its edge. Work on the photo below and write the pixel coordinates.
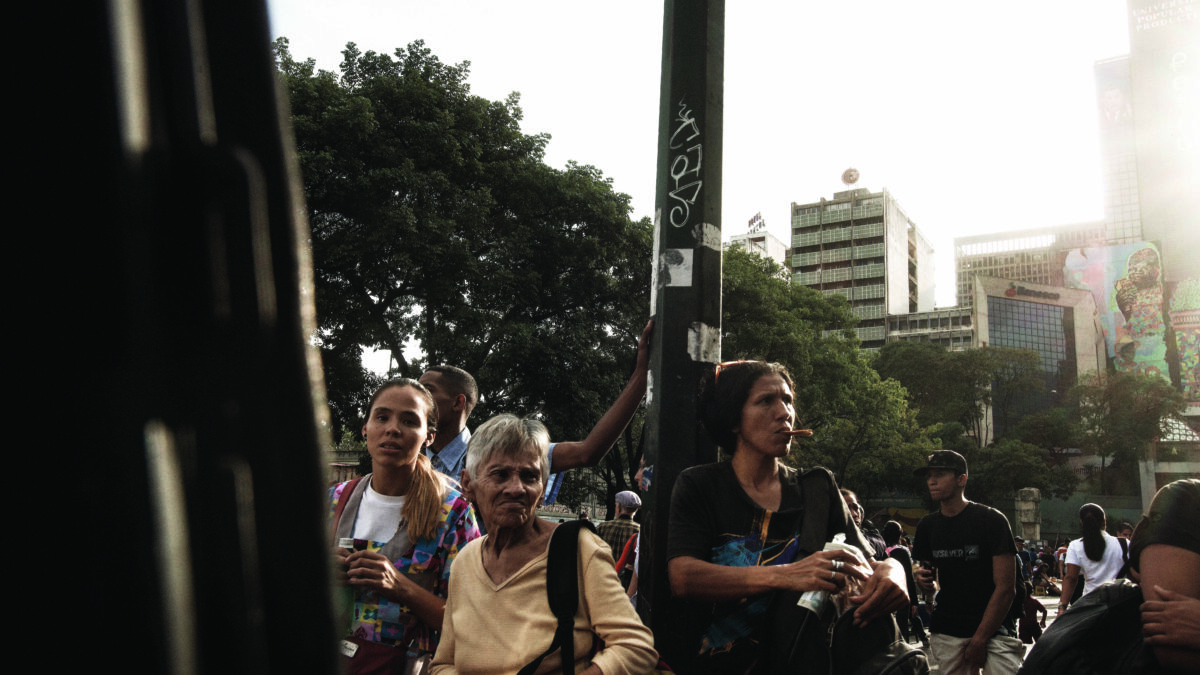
(341, 504)
(562, 590)
(1124, 571)
(817, 485)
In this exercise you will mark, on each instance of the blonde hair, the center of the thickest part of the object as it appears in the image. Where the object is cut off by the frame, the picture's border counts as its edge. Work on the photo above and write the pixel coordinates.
(423, 506)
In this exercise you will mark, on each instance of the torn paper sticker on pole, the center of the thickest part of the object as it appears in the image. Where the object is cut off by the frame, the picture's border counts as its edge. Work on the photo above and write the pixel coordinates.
(704, 343)
(675, 267)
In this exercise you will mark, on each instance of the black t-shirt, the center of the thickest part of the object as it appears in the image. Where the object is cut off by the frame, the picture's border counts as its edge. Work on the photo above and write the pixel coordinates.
(714, 520)
(962, 549)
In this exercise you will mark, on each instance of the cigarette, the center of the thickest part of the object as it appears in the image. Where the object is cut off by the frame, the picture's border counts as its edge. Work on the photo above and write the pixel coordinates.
(807, 433)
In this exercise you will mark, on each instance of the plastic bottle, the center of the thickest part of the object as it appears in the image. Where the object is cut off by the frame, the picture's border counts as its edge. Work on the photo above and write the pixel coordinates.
(818, 601)
(345, 594)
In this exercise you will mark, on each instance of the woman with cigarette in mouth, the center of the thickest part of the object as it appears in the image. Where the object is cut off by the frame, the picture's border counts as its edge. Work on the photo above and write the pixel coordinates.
(746, 532)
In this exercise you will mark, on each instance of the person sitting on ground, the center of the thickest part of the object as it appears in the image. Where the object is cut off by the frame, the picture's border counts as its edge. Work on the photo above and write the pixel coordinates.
(497, 619)
(1042, 580)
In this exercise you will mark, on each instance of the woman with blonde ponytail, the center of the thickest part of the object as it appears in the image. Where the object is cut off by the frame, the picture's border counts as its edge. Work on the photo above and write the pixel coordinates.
(407, 524)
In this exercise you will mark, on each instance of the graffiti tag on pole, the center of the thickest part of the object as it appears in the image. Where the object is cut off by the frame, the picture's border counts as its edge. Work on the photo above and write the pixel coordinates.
(685, 164)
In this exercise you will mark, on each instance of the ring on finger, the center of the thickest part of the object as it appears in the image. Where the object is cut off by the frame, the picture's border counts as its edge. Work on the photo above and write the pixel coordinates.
(832, 575)
(837, 565)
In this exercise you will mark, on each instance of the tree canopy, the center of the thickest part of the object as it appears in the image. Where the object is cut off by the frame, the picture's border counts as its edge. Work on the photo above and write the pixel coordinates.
(436, 223)
(1117, 417)
(955, 393)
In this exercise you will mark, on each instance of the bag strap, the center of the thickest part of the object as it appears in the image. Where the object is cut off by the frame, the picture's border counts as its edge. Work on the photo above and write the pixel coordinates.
(341, 504)
(562, 590)
(626, 553)
(1123, 573)
(817, 485)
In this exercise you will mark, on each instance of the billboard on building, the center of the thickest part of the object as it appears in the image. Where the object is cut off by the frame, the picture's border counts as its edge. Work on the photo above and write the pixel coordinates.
(1184, 315)
(1126, 281)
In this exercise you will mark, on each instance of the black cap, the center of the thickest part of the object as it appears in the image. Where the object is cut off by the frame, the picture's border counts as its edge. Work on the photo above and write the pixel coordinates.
(944, 459)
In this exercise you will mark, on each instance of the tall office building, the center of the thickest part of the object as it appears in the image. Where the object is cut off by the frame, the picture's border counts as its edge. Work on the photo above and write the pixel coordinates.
(1164, 81)
(1034, 256)
(861, 245)
(1118, 153)
(1060, 324)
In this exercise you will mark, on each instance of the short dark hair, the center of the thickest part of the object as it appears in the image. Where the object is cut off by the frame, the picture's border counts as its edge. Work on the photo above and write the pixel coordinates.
(723, 395)
(892, 531)
(460, 382)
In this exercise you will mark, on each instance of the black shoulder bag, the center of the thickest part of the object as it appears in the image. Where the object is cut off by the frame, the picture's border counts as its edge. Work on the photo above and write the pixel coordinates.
(562, 590)
(834, 646)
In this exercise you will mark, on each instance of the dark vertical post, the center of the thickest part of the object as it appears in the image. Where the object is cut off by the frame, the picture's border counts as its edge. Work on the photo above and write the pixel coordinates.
(686, 293)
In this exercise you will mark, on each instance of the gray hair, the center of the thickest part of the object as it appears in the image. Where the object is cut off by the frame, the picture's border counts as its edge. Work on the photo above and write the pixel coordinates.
(508, 435)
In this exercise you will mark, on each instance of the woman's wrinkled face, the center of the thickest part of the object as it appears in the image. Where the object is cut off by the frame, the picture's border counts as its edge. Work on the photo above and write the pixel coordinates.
(397, 429)
(767, 416)
(508, 489)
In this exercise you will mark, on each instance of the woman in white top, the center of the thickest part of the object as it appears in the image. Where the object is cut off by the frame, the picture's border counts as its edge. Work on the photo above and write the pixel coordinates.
(1098, 555)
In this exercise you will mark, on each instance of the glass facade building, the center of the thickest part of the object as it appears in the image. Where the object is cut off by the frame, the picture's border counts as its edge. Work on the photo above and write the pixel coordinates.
(1060, 324)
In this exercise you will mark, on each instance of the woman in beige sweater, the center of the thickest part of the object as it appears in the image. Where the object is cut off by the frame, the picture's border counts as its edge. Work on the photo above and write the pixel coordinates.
(498, 618)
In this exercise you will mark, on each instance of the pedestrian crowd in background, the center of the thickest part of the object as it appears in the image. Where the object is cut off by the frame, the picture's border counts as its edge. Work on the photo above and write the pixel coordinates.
(760, 553)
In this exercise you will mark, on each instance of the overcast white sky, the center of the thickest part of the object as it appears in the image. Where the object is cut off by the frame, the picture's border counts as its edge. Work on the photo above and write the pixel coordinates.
(978, 117)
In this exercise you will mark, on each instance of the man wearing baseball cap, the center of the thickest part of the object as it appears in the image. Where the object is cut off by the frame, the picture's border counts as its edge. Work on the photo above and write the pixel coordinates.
(970, 546)
(618, 531)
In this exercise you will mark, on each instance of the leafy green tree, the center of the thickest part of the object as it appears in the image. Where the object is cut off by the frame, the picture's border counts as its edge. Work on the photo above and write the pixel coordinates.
(435, 222)
(964, 386)
(1119, 415)
(943, 386)
(1000, 469)
(1054, 430)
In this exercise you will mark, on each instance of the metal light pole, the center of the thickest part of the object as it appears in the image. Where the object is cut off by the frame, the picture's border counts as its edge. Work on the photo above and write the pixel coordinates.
(686, 293)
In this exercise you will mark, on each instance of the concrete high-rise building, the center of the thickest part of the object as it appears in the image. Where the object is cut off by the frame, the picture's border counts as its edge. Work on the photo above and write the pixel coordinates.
(1034, 256)
(861, 245)
(760, 241)
(950, 327)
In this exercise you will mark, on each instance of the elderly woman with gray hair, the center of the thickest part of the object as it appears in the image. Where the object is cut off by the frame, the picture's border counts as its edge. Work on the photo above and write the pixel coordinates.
(498, 618)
